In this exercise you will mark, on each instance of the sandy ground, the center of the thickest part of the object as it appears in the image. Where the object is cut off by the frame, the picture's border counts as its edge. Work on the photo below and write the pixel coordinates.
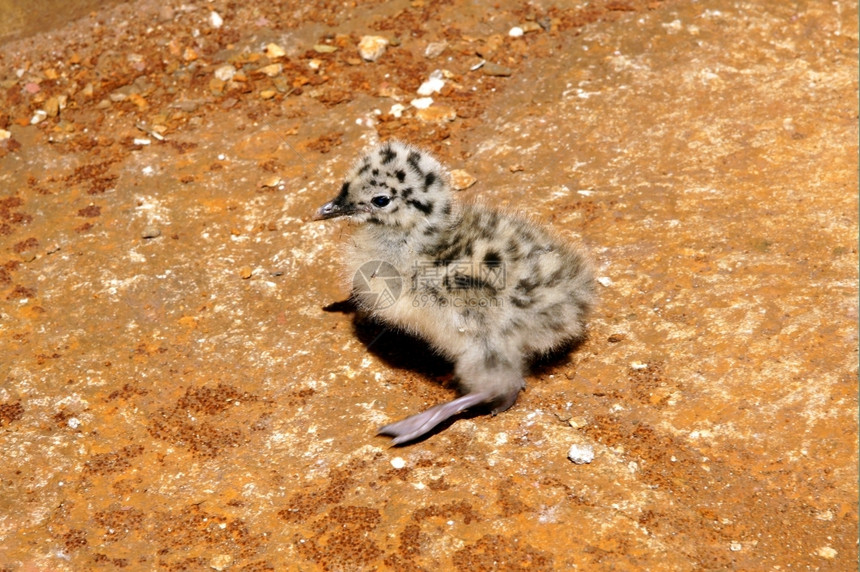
(173, 395)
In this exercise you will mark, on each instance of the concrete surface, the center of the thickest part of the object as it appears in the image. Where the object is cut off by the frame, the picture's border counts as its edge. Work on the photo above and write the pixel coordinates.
(174, 397)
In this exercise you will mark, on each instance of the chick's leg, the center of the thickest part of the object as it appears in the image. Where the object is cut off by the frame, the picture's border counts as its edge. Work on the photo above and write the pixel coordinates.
(417, 425)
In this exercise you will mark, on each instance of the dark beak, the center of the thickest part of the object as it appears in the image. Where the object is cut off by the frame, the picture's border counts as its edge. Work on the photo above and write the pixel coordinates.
(333, 209)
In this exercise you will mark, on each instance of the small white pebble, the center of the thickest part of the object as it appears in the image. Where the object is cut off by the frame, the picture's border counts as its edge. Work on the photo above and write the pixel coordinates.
(141, 141)
(432, 85)
(148, 171)
(74, 422)
(215, 19)
(222, 156)
(827, 552)
(398, 462)
(397, 110)
(638, 365)
(516, 32)
(735, 547)
(581, 454)
(605, 281)
(421, 102)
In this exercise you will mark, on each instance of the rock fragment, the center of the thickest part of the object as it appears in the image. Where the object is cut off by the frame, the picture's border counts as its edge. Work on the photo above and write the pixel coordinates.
(461, 180)
(274, 51)
(225, 72)
(271, 181)
(421, 102)
(372, 47)
(581, 454)
(435, 49)
(432, 85)
(271, 70)
(437, 114)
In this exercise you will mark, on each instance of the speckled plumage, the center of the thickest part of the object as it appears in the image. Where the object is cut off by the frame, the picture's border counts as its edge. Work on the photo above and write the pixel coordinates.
(486, 289)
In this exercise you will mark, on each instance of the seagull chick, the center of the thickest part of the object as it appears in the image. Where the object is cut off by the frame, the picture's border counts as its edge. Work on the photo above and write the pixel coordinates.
(488, 290)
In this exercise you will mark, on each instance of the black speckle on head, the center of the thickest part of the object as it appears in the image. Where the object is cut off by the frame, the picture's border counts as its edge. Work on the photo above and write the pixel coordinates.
(344, 191)
(407, 192)
(364, 168)
(413, 160)
(375, 172)
(400, 174)
(430, 230)
(387, 154)
(446, 210)
(429, 179)
(424, 208)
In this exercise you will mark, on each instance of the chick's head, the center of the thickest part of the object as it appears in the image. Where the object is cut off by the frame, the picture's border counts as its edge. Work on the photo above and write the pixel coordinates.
(394, 185)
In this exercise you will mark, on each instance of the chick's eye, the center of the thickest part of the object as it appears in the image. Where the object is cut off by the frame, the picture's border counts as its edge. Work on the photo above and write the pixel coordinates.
(380, 201)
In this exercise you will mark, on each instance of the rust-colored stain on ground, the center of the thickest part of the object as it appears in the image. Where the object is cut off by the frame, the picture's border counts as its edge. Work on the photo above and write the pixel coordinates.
(174, 397)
